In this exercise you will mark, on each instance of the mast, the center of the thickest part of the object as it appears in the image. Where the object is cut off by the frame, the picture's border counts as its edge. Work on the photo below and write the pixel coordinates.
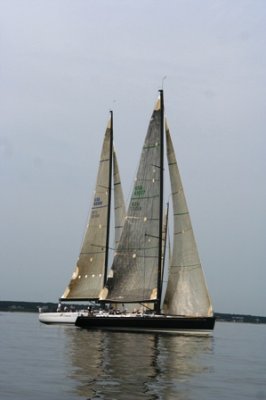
(159, 279)
(109, 199)
(165, 242)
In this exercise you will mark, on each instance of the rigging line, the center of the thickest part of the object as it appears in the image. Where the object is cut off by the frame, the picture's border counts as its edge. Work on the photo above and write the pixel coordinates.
(153, 236)
(157, 166)
(94, 208)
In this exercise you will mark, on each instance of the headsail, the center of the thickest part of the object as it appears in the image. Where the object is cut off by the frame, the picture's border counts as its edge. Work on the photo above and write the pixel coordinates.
(186, 293)
(135, 265)
(119, 203)
(88, 277)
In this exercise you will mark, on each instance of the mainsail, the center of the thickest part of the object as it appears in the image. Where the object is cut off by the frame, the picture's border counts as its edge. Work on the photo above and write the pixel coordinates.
(135, 265)
(186, 292)
(88, 278)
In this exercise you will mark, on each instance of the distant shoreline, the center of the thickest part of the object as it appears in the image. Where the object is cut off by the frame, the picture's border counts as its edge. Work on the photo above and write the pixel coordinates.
(27, 306)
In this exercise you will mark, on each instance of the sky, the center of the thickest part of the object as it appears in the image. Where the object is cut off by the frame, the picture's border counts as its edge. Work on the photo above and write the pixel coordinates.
(65, 63)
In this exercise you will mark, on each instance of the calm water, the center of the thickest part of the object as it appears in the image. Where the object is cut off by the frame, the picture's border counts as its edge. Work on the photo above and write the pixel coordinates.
(56, 362)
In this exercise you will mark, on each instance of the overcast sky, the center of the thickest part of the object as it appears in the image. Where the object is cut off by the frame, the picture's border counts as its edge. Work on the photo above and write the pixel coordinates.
(64, 64)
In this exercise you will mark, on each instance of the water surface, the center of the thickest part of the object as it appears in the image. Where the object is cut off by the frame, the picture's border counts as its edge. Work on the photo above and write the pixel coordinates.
(63, 362)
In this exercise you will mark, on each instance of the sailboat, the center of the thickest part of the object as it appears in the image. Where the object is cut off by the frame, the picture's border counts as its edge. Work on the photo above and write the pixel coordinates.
(91, 271)
(138, 265)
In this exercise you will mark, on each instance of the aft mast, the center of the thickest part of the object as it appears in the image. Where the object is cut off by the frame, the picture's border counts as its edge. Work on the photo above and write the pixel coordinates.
(159, 278)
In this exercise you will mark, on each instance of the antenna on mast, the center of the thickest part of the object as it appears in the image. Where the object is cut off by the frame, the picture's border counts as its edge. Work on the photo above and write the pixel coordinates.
(163, 80)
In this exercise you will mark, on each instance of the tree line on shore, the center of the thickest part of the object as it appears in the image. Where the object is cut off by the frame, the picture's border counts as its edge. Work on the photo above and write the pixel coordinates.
(27, 306)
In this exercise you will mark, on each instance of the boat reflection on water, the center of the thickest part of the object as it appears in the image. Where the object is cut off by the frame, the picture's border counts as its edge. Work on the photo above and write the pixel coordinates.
(111, 365)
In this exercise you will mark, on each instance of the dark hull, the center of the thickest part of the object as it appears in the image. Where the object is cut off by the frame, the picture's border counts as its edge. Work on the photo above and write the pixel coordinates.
(162, 324)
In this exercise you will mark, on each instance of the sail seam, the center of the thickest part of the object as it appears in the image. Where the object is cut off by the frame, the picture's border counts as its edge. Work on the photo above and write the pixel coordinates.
(183, 231)
(192, 266)
(182, 213)
(144, 198)
(151, 146)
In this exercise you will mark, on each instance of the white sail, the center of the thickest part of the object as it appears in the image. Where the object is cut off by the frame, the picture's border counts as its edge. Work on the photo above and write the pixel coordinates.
(119, 203)
(87, 279)
(135, 265)
(186, 293)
